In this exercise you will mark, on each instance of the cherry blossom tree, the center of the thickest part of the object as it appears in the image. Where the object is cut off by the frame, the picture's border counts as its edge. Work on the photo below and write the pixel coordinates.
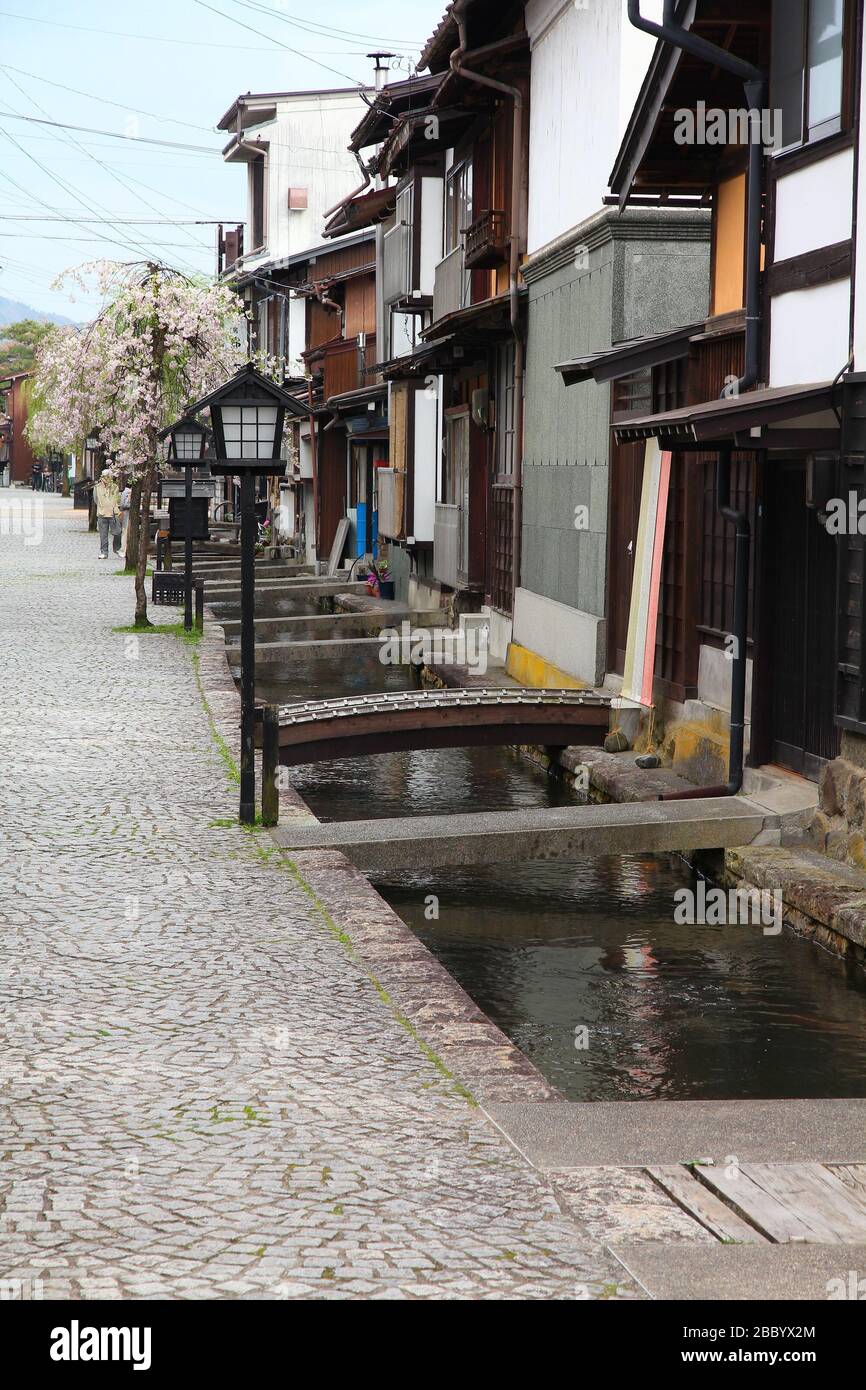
(160, 341)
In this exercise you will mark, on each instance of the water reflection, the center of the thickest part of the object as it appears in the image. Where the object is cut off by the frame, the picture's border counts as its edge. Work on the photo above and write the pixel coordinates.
(672, 1012)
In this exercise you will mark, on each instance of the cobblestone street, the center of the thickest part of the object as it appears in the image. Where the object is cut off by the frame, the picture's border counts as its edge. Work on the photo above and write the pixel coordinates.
(204, 1092)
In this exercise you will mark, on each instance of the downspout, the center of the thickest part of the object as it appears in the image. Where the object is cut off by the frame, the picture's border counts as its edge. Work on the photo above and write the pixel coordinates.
(755, 83)
(458, 12)
(355, 191)
(314, 462)
(740, 634)
(323, 299)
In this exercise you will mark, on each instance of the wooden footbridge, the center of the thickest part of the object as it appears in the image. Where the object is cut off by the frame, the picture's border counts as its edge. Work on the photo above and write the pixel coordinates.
(319, 730)
(355, 726)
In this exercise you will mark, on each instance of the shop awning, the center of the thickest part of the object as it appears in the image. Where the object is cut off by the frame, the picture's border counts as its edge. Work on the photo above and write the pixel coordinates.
(778, 417)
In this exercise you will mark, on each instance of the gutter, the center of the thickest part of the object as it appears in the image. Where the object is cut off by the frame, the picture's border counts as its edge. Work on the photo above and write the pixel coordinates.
(755, 84)
(456, 61)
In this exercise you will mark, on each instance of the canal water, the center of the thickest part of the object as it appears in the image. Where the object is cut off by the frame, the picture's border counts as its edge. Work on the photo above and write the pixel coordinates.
(582, 964)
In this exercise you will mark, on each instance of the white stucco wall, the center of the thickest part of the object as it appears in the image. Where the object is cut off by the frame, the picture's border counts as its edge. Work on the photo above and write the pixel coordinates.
(426, 455)
(307, 149)
(814, 206)
(587, 66)
(860, 248)
(810, 334)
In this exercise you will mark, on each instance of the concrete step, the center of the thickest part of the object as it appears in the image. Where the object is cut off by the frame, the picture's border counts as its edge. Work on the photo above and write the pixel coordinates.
(322, 625)
(565, 832)
(222, 592)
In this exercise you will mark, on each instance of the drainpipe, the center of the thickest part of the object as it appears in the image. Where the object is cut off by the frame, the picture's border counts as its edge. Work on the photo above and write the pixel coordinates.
(355, 191)
(319, 287)
(740, 634)
(755, 83)
(458, 12)
(314, 461)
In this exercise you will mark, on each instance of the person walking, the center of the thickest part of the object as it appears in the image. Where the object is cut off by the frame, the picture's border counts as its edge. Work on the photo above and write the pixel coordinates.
(125, 504)
(108, 520)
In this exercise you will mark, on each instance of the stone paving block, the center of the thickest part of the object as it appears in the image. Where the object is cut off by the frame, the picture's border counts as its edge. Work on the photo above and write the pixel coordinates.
(194, 1065)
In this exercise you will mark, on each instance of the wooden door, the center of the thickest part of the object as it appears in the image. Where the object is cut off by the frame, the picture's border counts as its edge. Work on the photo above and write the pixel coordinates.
(626, 482)
(800, 621)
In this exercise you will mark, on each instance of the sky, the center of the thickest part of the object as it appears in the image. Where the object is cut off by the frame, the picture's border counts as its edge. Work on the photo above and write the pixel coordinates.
(165, 72)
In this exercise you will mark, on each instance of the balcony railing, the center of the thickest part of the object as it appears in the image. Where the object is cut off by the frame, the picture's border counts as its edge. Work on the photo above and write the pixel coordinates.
(451, 284)
(485, 240)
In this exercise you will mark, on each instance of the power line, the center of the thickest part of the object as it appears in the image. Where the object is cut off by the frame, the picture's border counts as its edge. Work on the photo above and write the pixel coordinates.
(47, 236)
(326, 30)
(106, 101)
(127, 245)
(297, 51)
(124, 34)
(91, 130)
(118, 178)
(121, 221)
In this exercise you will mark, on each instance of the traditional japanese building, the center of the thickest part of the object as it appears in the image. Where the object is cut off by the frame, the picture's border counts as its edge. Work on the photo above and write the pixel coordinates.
(730, 434)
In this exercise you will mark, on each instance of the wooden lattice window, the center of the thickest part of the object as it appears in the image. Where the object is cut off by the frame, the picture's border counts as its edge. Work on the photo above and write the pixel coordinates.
(502, 566)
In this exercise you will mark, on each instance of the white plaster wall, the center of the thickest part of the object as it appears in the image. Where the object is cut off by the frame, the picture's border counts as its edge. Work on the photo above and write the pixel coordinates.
(307, 149)
(810, 334)
(432, 213)
(297, 330)
(860, 285)
(426, 441)
(814, 206)
(587, 66)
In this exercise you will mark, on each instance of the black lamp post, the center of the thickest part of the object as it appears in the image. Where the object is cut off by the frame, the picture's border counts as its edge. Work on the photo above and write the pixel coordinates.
(247, 415)
(187, 441)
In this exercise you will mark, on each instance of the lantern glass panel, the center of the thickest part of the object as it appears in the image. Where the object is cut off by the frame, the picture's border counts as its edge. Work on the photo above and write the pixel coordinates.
(249, 430)
(187, 445)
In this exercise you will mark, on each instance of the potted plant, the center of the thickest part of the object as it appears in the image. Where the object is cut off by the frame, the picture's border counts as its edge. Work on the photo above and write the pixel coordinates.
(380, 580)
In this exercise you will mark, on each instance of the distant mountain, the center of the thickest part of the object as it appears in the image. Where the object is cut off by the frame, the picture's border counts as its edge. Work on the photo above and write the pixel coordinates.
(11, 311)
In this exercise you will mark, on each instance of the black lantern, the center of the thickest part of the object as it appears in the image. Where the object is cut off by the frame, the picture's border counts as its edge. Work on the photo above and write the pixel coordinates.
(184, 444)
(187, 441)
(247, 415)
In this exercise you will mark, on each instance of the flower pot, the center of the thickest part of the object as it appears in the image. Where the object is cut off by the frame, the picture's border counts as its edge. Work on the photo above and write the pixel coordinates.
(386, 588)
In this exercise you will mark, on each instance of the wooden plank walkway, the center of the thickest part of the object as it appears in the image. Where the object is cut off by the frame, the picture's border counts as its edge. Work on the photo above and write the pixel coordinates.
(780, 1203)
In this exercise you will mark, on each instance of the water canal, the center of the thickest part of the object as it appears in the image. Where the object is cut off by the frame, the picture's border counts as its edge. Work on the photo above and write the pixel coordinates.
(546, 950)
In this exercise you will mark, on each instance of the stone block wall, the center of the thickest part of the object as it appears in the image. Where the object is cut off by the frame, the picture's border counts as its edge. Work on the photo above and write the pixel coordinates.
(838, 826)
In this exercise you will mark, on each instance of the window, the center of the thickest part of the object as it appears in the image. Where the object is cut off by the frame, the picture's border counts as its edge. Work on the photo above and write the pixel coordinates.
(458, 203)
(505, 412)
(808, 68)
(633, 395)
(257, 201)
(455, 480)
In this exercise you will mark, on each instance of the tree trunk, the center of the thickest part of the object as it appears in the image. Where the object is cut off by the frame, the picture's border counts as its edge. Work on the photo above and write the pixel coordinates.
(141, 618)
(133, 527)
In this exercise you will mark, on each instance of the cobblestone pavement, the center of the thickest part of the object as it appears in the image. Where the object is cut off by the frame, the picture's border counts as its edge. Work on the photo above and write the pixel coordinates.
(203, 1093)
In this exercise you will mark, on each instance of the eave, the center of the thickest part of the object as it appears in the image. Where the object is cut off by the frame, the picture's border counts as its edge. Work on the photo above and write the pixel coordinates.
(745, 420)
